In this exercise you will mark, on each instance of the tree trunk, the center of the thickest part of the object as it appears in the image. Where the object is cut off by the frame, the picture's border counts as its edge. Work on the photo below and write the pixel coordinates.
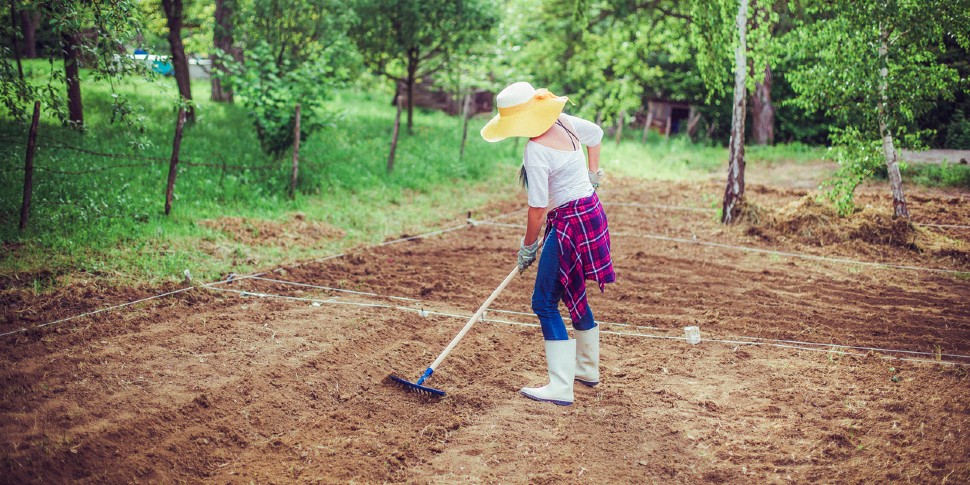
(222, 39)
(763, 112)
(29, 167)
(889, 150)
(646, 126)
(173, 14)
(412, 73)
(15, 40)
(394, 134)
(465, 114)
(72, 76)
(29, 22)
(173, 164)
(734, 192)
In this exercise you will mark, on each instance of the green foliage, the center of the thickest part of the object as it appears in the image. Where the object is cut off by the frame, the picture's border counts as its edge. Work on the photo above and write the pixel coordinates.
(271, 92)
(873, 67)
(103, 28)
(858, 158)
(958, 132)
(395, 36)
(296, 52)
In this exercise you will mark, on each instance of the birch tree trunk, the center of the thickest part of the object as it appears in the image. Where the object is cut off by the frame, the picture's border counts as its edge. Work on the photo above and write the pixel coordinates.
(734, 193)
(763, 112)
(888, 148)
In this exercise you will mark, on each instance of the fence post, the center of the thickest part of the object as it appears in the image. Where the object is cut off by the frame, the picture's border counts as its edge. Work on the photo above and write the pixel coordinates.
(173, 165)
(465, 110)
(397, 126)
(296, 152)
(29, 167)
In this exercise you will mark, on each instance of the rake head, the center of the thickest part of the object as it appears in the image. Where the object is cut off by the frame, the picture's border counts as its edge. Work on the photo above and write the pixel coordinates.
(417, 387)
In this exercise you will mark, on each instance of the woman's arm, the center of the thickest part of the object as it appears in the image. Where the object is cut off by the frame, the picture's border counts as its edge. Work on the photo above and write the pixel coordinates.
(536, 214)
(594, 157)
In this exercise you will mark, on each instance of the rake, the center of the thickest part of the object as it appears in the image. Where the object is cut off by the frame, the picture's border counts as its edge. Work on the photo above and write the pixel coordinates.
(418, 386)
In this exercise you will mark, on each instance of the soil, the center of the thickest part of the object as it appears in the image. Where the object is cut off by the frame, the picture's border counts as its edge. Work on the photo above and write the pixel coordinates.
(297, 231)
(219, 386)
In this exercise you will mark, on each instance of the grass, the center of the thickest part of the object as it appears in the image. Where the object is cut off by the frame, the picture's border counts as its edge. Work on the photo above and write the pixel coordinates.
(110, 224)
(937, 175)
(679, 159)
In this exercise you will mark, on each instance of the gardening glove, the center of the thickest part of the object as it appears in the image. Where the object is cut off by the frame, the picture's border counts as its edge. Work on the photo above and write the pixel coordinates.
(596, 177)
(527, 254)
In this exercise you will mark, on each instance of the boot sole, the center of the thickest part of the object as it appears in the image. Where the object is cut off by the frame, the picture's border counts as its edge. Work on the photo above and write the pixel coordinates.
(587, 383)
(554, 401)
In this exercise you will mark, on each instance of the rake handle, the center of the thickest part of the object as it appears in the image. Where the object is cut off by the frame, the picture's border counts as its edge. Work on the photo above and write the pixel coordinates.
(473, 319)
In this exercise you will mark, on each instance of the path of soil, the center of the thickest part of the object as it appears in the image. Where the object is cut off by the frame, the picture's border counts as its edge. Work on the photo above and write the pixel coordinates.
(214, 386)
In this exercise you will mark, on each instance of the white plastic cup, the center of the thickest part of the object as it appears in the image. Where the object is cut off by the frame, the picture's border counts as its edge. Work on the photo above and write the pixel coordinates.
(693, 335)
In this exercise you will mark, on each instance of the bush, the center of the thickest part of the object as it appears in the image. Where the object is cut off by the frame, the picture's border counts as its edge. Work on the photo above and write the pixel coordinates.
(858, 159)
(271, 87)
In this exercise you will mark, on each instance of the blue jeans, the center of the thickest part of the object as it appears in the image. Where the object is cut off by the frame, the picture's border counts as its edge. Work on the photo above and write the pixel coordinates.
(548, 293)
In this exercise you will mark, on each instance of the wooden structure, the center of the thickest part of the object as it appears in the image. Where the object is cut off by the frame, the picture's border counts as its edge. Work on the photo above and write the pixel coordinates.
(668, 117)
(426, 95)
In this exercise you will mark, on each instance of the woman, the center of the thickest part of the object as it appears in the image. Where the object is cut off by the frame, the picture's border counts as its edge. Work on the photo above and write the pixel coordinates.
(577, 241)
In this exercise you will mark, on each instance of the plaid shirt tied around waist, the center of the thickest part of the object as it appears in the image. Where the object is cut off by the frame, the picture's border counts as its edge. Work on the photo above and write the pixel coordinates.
(584, 240)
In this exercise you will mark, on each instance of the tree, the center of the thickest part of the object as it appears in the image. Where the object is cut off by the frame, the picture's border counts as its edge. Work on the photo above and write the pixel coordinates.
(734, 192)
(92, 33)
(222, 42)
(296, 52)
(180, 63)
(404, 40)
(714, 26)
(874, 66)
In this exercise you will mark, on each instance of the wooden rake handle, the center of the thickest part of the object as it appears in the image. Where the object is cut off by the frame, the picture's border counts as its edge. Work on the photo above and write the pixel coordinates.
(474, 318)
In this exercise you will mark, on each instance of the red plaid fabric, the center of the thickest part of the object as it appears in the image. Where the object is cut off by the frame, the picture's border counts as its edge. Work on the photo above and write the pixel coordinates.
(584, 241)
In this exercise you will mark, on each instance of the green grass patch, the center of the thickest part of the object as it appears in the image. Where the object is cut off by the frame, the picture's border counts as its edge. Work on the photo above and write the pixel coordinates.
(937, 175)
(110, 222)
(680, 159)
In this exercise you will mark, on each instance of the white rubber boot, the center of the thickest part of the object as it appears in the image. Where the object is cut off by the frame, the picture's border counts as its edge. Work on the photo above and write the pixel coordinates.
(588, 356)
(561, 360)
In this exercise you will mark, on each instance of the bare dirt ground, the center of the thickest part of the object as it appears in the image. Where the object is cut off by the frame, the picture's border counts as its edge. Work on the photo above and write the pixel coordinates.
(217, 386)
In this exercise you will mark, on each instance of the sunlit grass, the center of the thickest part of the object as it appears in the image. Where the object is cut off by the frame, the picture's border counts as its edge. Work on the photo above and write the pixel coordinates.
(111, 223)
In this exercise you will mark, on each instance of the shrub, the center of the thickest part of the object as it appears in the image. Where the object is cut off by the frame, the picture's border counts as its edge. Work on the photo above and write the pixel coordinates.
(858, 159)
(271, 87)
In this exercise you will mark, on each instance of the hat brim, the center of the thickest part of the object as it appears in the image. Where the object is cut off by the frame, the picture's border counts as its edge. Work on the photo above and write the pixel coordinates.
(529, 123)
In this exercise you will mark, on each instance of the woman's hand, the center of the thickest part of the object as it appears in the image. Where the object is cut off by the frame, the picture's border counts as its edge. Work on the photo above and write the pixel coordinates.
(596, 177)
(527, 255)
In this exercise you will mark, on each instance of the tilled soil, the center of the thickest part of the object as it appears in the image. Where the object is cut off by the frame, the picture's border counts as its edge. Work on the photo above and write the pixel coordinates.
(237, 384)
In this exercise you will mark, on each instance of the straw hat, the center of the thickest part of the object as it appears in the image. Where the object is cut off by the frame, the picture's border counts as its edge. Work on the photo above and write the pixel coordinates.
(523, 111)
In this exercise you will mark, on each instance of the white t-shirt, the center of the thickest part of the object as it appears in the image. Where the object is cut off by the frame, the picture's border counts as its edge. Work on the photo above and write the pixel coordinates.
(558, 176)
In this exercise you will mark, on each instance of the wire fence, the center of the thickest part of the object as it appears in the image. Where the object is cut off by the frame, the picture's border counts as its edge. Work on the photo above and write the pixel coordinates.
(93, 189)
